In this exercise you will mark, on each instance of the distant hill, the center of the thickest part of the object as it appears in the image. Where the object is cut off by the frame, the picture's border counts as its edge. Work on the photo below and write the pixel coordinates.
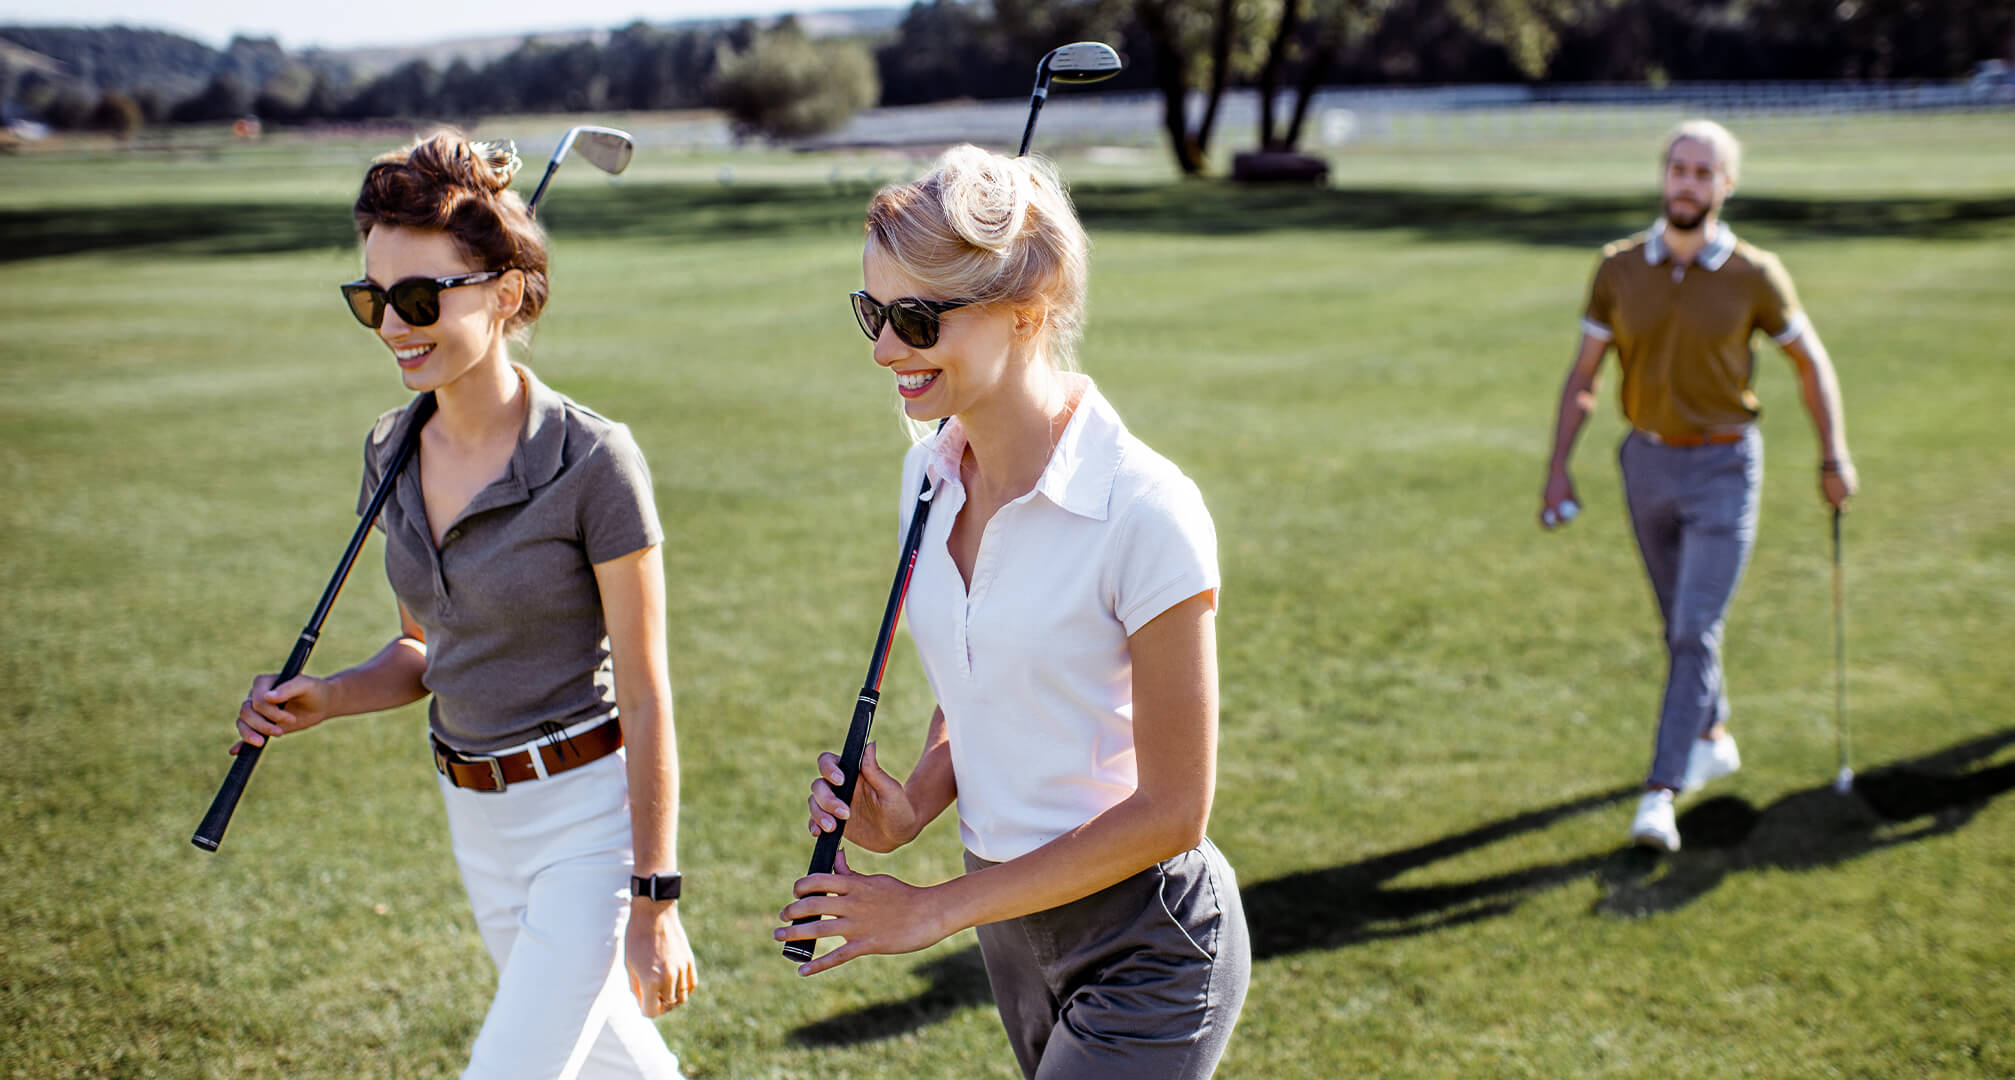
(129, 58)
(366, 61)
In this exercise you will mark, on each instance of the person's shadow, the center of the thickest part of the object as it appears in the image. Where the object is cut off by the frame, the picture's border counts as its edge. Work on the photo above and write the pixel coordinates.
(1817, 827)
(1346, 905)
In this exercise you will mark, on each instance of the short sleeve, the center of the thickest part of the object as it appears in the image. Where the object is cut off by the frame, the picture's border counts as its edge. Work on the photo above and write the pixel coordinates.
(375, 452)
(618, 512)
(1167, 552)
(1599, 320)
(1777, 312)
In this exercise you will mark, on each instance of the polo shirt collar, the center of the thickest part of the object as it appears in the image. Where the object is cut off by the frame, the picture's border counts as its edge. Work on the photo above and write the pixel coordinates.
(544, 440)
(1713, 254)
(1081, 470)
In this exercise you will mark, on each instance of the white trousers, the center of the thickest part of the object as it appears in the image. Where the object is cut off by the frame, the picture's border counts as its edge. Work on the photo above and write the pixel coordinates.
(547, 867)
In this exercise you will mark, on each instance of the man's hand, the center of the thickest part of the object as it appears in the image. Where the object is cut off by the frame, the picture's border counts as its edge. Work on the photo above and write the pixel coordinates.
(1838, 482)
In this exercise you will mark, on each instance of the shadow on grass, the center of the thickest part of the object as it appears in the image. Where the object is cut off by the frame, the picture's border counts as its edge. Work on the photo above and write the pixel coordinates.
(701, 212)
(1898, 803)
(1808, 829)
(1816, 828)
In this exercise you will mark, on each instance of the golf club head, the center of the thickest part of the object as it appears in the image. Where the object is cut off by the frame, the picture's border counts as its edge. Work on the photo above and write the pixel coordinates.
(605, 148)
(1081, 62)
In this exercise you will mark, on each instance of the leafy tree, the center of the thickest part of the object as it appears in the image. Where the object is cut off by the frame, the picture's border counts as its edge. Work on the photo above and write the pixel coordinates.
(410, 90)
(947, 49)
(785, 85)
(67, 108)
(223, 99)
(284, 96)
(117, 113)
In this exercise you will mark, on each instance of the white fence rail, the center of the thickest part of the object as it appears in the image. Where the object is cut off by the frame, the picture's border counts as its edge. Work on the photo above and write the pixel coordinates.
(1346, 114)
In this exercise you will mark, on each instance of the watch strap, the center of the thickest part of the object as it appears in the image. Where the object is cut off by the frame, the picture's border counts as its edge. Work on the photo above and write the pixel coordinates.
(657, 886)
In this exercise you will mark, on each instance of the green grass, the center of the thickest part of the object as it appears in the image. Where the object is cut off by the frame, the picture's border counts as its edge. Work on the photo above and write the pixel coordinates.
(1432, 710)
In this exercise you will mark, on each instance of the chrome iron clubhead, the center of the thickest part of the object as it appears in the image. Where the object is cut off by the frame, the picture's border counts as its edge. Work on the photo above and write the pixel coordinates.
(605, 148)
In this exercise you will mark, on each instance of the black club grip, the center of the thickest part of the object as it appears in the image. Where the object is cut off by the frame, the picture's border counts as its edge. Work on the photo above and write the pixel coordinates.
(826, 852)
(210, 834)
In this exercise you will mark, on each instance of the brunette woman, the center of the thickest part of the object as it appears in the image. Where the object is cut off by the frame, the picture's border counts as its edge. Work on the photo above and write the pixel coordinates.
(523, 546)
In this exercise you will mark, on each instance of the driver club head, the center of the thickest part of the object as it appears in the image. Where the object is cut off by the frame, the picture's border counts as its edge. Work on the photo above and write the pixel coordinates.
(1081, 62)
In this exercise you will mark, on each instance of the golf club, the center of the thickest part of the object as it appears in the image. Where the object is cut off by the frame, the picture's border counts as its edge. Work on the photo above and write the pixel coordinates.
(1843, 782)
(1074, 64)
(826, 851)
(606, 149)
(211, 832)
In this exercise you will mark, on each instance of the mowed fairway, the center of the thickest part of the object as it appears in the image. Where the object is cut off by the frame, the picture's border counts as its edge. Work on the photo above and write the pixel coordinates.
(1434, 714)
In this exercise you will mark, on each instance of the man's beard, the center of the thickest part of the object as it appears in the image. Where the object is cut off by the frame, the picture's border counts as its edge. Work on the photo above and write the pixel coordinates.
(1684, 223)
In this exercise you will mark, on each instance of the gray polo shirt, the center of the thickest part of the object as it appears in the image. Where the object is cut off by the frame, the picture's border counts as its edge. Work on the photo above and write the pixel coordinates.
(513, 616)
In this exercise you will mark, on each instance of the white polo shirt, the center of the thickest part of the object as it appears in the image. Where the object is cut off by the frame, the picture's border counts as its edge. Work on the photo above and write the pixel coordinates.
(1032, 665)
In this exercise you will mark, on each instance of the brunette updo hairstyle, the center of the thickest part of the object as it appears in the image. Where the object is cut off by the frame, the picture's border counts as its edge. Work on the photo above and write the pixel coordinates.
(986, 228)
(446, 182)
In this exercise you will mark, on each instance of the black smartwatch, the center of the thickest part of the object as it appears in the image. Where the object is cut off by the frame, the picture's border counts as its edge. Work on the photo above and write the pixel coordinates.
(657, 886)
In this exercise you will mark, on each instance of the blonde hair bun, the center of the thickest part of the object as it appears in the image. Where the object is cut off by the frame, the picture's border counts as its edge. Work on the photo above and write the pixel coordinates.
(985, 196)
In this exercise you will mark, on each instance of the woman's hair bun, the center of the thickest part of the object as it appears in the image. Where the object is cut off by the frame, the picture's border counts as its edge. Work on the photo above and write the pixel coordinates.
(985, 196)
(450, 159)
(496, 162)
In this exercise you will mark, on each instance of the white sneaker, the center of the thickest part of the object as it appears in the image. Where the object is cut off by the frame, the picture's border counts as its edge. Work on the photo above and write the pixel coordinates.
(1710, 760)
(1654, 826)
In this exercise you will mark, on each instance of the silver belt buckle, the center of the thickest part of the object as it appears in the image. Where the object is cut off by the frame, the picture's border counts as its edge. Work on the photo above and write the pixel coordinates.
(496, 771)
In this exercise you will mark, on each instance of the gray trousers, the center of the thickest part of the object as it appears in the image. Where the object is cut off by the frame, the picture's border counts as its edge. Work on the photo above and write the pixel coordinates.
(1142, 979)
(1694, 510)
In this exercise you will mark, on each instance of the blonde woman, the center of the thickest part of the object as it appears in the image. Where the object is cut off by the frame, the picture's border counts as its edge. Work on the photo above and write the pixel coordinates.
(522, 544)
(1063, 606)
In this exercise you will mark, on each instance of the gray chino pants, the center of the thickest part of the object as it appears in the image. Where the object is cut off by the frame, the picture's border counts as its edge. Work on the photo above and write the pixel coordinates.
(1694, 510)
(1143, 979)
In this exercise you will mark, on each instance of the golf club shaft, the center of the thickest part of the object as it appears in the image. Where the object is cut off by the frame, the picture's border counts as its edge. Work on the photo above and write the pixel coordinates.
(532, 204)
(210, 834)
(1034, 109)
(1839, 648)
(826, 851)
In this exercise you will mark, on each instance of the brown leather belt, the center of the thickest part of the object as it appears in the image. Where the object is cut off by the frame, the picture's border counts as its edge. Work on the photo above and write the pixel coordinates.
(484, 772)
(1695, 438)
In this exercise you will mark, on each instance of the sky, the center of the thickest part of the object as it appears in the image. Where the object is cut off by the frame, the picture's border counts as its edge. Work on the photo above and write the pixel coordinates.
(350, 23)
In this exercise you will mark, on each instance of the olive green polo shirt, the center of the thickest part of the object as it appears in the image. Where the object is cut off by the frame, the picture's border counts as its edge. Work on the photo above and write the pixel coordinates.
(512, 612)
(1682, 330)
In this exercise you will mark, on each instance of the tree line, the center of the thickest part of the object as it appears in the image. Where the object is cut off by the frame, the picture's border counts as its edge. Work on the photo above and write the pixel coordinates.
(776, 80)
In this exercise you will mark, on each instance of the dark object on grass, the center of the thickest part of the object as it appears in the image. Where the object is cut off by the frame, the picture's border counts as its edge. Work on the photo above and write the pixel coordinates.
(1278, 166)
